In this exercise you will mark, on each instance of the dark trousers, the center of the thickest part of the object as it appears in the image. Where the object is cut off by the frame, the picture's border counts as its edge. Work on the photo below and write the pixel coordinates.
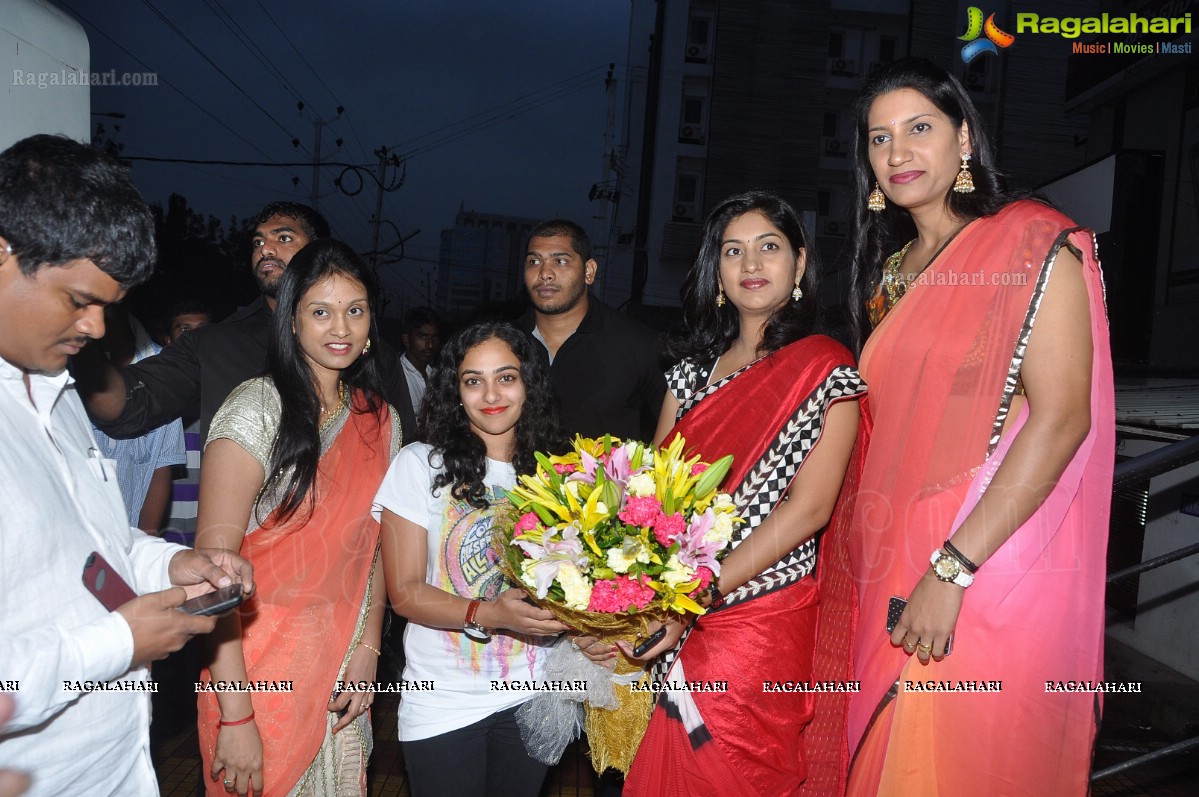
(486, 759)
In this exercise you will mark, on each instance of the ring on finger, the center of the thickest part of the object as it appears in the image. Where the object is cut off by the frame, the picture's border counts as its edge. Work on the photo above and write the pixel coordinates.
(925, 649)
(909, 647)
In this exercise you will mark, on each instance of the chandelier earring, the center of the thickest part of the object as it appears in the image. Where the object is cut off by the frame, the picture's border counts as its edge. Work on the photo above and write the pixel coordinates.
(367, 347)
(720, 300)
(965, 182)
(877, 201)
(797, 294)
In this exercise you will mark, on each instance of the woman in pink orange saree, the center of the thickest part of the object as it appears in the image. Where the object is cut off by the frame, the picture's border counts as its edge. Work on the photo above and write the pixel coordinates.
(290, 470)
(985, 494)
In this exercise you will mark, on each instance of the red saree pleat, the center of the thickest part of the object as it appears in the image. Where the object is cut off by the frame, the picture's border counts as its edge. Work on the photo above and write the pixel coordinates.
(758, 738)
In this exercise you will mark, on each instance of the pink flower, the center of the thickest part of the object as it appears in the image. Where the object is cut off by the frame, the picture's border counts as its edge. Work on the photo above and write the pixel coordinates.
(698, 468)
(527, 522)
(705, 578)
(621, 594)
(667, 528)
(641, 510)
(565, 468)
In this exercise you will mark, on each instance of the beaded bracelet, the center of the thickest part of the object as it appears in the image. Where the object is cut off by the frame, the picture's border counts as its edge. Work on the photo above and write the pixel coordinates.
(376, 651)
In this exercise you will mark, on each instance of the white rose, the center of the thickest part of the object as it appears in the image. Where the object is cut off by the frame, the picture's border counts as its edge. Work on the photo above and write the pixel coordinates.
(577, 589)
(677, 572)
(618, 561)
(722, 529)
(641, 485)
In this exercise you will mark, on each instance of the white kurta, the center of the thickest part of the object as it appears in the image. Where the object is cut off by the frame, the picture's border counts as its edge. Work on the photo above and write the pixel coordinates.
(59, 503)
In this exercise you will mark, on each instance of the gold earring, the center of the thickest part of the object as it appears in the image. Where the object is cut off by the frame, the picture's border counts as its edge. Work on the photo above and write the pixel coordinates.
(877, 200)
(796, 294)
(367, 347)
(719, 294)
(965, 182)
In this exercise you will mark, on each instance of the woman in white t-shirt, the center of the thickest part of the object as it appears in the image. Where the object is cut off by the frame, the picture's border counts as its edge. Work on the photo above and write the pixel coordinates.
(472, 642)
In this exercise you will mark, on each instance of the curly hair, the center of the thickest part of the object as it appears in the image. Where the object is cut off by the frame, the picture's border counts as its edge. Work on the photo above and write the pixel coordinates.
(707, 330)
(445, 426)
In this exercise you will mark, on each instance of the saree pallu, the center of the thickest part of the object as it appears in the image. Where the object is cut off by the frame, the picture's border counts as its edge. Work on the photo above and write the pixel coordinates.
(307, 613)
(750, 739)
(943, 368)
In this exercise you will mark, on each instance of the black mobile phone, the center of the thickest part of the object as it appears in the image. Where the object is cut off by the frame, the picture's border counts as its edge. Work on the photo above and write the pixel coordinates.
(653, 639)
(216, 602)
(895, 607)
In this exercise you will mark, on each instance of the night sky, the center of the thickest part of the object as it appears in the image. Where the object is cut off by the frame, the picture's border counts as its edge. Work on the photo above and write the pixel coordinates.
(498, 105)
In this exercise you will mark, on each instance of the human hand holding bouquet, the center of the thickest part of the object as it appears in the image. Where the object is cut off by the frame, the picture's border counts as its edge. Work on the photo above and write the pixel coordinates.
(610, 538)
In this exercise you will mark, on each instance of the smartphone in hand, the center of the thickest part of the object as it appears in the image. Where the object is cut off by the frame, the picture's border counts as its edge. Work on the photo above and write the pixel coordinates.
(216, 602)
(653, 639)
(895, 607)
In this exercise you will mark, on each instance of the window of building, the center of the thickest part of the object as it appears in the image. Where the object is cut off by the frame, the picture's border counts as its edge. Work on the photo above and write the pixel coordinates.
(886, 49)
(830, 125)
(699, 38)
(687, 190)
(836, 44)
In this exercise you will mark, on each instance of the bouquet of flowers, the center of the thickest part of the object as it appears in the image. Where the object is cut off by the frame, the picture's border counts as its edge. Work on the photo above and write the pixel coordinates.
(612, 535)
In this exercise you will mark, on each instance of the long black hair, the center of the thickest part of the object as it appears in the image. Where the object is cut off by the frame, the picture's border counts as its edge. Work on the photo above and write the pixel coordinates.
(297, 447)
(875, 234)
(707, 330)
(445, 426)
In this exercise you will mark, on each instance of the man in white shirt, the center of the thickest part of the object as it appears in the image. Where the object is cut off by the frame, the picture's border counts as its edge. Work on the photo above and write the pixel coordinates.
(422, 340)
(74, 236)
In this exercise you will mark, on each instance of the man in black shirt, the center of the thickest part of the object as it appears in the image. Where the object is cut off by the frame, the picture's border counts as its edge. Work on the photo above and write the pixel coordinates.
(193, 377)
(605, 367)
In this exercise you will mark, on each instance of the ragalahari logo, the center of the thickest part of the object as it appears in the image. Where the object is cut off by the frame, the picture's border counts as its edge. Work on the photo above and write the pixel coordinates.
(975, 27)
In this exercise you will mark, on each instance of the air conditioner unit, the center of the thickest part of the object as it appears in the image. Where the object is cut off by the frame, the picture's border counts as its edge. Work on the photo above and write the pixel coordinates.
(834, 227)
(836, 147)
(843, 66)
(697, 53)
(684, 211)
(692, 134)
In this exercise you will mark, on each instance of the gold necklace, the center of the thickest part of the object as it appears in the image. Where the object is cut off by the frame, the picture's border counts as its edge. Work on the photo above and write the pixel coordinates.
(895, 285)
(341, 403)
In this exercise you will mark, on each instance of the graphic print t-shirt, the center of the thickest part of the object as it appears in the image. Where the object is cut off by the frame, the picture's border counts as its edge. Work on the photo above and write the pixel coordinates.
(461, 562)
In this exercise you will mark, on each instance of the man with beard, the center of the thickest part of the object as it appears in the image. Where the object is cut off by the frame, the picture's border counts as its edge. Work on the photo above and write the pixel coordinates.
(193, 377)
(605, 367)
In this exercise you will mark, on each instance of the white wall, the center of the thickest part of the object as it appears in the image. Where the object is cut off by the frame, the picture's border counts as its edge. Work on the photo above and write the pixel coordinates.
(37, 37)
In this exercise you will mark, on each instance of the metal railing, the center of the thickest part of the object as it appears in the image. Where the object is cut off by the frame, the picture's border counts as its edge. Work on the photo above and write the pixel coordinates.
(1131, 471)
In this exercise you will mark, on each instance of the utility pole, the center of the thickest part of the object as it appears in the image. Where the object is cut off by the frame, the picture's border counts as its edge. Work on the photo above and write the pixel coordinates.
(381, 152)
(314, 196)
(386, 158)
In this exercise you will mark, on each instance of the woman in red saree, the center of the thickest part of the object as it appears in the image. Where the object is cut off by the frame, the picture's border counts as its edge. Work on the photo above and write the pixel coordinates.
(985, 495)
(290, 470)
(755, 382)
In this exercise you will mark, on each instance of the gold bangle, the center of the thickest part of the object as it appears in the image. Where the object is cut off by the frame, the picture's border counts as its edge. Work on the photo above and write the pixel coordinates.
(376, 651)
